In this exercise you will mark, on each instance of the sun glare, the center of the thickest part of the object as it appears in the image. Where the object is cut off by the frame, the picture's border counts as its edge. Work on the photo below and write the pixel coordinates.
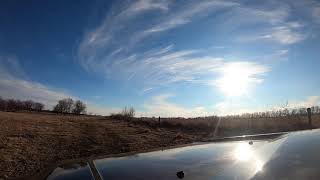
(244, 153)
(234, 81)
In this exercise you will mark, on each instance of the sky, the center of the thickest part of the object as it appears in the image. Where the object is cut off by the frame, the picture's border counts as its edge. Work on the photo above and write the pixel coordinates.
(184, 58)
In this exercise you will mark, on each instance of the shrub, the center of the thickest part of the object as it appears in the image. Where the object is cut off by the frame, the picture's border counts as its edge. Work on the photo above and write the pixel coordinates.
(126, 114)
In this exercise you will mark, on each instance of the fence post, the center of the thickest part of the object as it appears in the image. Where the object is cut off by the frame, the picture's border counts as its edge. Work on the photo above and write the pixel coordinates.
(309, 117)
(159, 121)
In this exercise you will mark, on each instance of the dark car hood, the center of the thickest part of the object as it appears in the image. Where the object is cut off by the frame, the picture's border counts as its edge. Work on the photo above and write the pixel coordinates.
(288, 156)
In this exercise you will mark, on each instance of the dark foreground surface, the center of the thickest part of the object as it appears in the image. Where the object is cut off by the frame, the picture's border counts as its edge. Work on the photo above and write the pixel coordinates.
(284, 156)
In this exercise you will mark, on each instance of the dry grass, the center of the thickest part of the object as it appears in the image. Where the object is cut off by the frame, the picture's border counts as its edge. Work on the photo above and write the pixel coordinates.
(30, 142)
(232, 126)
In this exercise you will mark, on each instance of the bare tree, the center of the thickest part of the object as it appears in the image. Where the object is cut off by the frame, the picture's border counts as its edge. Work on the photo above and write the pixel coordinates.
(3, 104)
(17, 105)
(125, 114)
(28, 105)
(79, 107)
(64, 106)
(128, 112)
(12, 105)
(37, 106)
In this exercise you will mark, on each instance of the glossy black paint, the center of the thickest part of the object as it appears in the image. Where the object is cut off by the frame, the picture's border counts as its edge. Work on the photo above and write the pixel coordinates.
(286, 156)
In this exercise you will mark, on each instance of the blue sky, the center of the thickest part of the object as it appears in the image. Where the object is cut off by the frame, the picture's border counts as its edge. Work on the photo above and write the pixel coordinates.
(163, 57)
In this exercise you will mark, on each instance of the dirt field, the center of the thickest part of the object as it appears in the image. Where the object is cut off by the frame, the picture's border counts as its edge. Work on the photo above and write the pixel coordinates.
(32, 142)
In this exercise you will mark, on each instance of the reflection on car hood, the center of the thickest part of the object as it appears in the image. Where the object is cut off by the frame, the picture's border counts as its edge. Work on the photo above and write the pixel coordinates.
(287, 156)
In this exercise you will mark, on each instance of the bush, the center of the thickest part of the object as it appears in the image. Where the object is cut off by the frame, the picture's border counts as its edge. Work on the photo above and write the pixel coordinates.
(126, 114)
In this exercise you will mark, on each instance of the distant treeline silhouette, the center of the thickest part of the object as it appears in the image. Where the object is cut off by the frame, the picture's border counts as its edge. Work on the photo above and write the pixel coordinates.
(66, 106)
(283, 112)
(18, 105)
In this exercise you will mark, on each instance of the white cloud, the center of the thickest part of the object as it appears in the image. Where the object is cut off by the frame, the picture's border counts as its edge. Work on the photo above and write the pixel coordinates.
(10, 65)
(273, 22)
(228, 107)
(236, 107)
(101, 109)
(309, 102)
(163, 66)
(250, 15)
(161, 106)
(109, 49)
(24, 90)
(14, 84)
(283, 52)
(111, 35)
(28, 90)
(119, 29)
(145, 5)
(188, 12)
(283, 35)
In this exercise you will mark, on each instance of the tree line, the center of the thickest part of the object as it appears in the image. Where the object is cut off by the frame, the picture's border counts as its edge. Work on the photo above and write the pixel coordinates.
(18, 105)
(283, 112)
(66, 105)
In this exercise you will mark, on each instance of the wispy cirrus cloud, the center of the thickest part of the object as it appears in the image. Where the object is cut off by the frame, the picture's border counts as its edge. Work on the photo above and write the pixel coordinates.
(285, 34)
(113, 30)
(122, 28)
(272, 22)
(114, 46)
(145, 5)
(10, 65)
(122, 47)
(186, 13)
(165, 66)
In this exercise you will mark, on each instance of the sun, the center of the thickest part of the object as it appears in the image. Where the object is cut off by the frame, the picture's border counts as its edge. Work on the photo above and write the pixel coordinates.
(234, 80)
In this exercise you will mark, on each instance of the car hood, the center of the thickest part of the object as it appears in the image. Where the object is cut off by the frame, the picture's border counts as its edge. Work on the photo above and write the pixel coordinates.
(279, 156)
